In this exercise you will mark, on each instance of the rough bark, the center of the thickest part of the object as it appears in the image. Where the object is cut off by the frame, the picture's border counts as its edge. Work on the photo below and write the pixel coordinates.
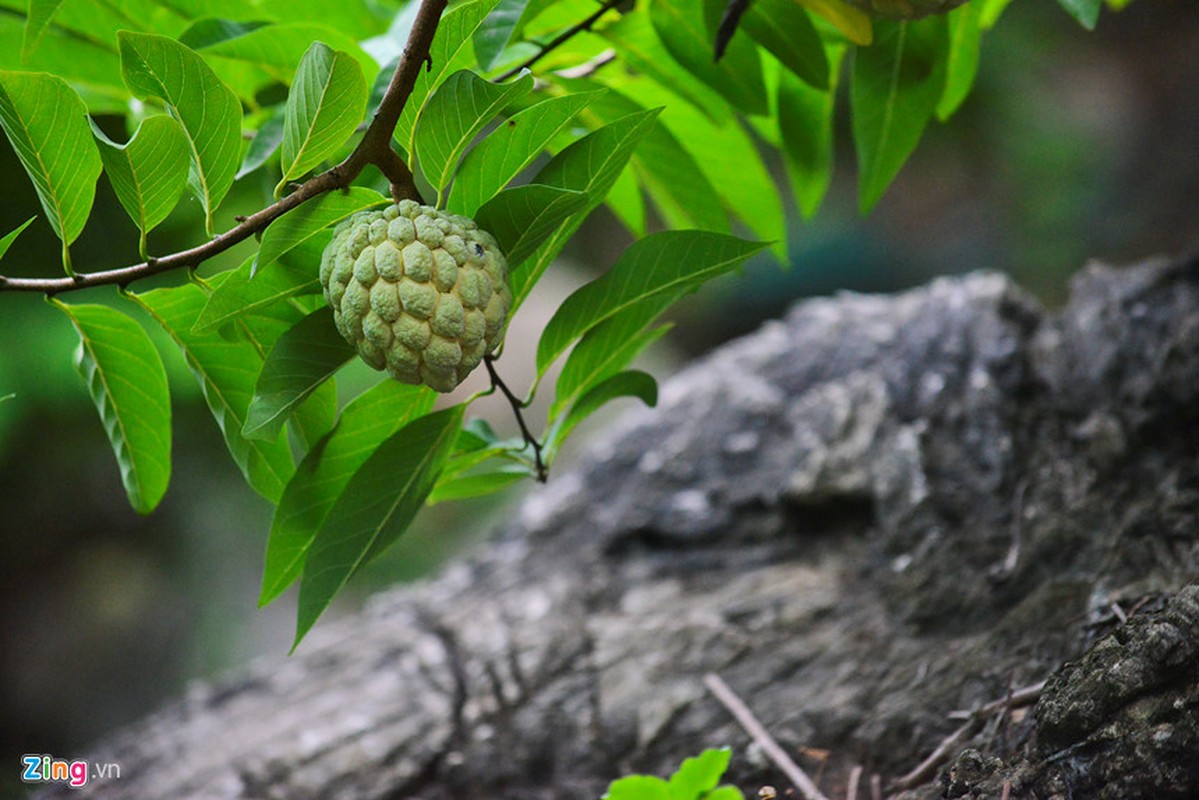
(865, 517)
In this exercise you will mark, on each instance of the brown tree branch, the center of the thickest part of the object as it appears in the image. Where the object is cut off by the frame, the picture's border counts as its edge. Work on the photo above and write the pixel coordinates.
(375, 148)
(518, 409)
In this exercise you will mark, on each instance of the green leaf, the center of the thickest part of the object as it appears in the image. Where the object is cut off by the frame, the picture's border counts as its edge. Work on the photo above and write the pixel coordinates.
(590, 165)
(1085, 11)
(965, 37)
(459, 109)
(725, 793)
(684, 25)
(634, 39)
(10, 237)
(786, 30)
(324, 106)
(511, 147)
(238, 295)
(626, 201)
(301, 360)
(493, 35)
(639, 787)
(158, 66)
(322, 476)
(46, 122)
(478, 484)
(378, 504)
(310, 218)
(608, 348)
(149, 172)
(677, 184)
(214, 30)
(316, 416)
(699, 775)
(278, 47)
(631, 383)
(447, 54)
(897, 84)
(226, 372)
(128, 384)
(753, 196)
(661, 262)
(805, 120)
(266, 141)
(40, 13)
(520, 218)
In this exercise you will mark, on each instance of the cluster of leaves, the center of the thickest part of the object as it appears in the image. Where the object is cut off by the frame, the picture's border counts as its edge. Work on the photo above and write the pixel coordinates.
(631, 108)
(696, 779)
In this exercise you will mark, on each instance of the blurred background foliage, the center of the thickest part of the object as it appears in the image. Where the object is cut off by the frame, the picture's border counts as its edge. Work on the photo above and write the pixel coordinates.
(1073, 146)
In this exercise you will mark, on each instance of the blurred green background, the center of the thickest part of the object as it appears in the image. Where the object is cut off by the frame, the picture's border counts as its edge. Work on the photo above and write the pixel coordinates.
(1073, 146)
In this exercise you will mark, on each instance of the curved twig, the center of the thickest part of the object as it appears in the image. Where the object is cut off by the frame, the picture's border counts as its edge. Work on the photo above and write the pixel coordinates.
(374, 148)
(518, 409)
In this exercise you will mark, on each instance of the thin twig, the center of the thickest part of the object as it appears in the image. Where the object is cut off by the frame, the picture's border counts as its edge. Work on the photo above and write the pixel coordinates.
(855, 778)
(923, 771)
(758, 732)
(561, 39)
(374, 148)
(517, 409)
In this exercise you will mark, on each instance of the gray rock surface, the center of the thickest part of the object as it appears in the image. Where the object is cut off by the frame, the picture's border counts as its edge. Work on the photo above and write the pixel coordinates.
(864, 517)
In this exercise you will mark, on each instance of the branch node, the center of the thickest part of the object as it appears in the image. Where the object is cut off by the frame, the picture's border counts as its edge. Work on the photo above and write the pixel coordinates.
(518, 408)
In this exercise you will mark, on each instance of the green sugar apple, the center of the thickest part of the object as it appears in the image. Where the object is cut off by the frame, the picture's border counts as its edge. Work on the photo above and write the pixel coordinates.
(419, 292)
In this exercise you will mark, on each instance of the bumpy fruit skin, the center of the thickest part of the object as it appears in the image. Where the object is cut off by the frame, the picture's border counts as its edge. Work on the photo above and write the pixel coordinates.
(905, 9)
(419, 292)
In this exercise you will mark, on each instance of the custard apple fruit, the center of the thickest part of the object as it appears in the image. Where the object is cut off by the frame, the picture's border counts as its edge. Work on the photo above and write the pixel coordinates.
(905, 9)
(419, 292)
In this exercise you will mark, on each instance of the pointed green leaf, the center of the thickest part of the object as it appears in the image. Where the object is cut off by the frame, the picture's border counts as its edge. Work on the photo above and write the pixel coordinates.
(456, 112)
(378, 504)
(635, 41)
(590, 165)
(684, 25)
(214, 30)
(46, 122)
(511, 147)
(11, 236)
(128, 384)
(753, 197)
(316, 416)
(493, 35)
(626, 201)
(40, 13)
(897, 83)
(679, 187)
(369, 419)
(149, 172)
(310, 218)
(226, 372)
(661, 262)
(639, 787)
(786, 30)
(805, 120)
(301, 360)
(448, 53)
(158, 66)
(631, 383)
(278, 47)
(239, 295)
(324, 107)
(699, 775)
(478, 484)
(1085, 11)
(965, 36)
(608, 348)
(520, 218)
